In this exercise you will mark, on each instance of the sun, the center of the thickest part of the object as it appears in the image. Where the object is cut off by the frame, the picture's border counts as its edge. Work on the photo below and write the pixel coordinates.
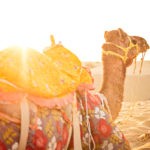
(24, 40)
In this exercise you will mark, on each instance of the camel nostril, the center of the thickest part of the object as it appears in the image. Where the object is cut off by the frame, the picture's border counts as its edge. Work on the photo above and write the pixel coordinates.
(146, 46)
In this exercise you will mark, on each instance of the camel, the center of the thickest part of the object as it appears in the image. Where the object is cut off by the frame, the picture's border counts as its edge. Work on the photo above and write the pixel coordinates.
(51, 103)
(119, 50)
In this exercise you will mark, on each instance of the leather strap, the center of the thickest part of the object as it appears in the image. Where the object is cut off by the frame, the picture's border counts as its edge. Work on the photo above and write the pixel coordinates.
(76, 127)
(25, 120)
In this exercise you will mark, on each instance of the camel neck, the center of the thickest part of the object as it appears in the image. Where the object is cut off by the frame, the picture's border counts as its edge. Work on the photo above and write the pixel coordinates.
(114, 72)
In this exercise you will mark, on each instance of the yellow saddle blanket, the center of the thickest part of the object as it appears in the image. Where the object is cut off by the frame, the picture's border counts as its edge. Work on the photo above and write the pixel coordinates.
(53, 73)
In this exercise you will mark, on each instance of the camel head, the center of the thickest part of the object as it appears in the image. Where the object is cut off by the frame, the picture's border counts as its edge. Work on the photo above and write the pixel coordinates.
(120, 44)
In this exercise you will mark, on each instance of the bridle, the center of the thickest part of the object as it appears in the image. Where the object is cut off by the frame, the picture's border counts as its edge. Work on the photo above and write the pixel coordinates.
(124, 49)
(124, 57)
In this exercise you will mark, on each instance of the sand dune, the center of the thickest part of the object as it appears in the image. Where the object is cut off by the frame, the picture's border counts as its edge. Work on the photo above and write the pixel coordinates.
(134, 121)
(134, 118)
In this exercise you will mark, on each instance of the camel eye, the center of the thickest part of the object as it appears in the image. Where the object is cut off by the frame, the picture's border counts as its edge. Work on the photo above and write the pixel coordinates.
(134, 41)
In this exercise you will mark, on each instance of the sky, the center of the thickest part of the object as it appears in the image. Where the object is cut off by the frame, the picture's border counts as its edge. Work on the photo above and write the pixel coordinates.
(78, 24)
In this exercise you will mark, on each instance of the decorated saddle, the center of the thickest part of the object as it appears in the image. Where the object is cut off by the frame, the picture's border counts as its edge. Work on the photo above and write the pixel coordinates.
(47, 102)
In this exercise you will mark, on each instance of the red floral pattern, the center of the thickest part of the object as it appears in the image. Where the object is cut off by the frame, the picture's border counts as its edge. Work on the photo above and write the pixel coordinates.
(40, 140)
(59, 145)
(2, 146)
(104, 128)
(97, 138)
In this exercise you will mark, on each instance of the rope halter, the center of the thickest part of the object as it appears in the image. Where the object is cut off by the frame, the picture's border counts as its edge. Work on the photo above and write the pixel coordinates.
(124, 49)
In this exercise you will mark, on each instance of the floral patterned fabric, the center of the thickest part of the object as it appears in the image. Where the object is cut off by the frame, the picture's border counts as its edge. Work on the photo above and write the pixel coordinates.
(101, 130)
(49, 128)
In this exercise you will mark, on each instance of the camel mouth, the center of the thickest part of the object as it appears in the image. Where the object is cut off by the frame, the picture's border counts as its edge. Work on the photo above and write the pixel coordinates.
(142, 44)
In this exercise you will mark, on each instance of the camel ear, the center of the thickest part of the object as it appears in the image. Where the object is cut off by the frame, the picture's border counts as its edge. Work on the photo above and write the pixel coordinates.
(105, 34)
(121, 32)
(119, 29)
(133, 39)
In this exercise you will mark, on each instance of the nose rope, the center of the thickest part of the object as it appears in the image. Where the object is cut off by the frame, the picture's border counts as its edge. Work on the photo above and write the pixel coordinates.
(142, 60)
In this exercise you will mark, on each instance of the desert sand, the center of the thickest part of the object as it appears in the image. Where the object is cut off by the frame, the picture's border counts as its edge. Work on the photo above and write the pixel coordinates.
(134, 117)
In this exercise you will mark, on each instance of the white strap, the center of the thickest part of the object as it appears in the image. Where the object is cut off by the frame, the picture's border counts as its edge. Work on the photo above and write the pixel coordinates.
(76, 127)
(105, 103)
(69, 137)
(25, 120)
